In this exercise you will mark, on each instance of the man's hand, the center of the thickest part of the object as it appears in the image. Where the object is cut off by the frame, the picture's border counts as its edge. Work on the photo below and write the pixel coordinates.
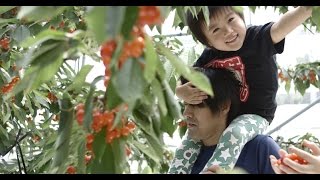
(190, 94)
(214, 169)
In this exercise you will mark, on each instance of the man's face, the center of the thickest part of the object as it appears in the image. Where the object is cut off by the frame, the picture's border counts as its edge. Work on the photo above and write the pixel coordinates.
(226, 31)
(203, 124)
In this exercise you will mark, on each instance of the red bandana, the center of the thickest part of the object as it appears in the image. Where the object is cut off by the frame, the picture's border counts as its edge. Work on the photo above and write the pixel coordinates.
(237, 67)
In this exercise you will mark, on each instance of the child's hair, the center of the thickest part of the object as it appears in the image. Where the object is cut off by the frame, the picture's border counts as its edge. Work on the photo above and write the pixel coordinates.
(196, 24)
(225, 87)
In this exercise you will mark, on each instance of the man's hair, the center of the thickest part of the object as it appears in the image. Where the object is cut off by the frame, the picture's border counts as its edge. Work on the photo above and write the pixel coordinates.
(196, 24)
(225, 87)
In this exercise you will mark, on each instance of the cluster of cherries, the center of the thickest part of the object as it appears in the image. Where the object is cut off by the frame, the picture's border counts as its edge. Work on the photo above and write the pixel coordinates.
(104, 119)
(293, 157)
(8, 87)
(5, 44)
(148, 15)
(312, 77)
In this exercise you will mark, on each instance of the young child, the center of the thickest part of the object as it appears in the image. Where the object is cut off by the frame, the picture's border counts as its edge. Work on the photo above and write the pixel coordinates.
(250, 54)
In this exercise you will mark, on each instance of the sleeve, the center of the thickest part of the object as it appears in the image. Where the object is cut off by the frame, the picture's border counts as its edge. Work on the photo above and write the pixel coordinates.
(261, 39)
(267, 147)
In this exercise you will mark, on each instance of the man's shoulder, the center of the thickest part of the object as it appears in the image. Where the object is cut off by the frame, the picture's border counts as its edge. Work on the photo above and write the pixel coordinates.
(262, 139)
(263, 144)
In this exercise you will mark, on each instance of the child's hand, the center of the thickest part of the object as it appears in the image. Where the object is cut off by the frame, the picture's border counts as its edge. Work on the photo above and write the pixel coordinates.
(275, 162)
(310, 165)
(313, 166)
(190, 94)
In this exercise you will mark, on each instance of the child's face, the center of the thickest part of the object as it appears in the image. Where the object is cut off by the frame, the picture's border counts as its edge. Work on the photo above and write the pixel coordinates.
(226, 31)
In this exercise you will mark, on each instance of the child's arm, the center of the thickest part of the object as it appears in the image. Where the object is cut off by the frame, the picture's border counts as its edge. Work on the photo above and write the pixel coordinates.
(289, 21)
(190, 94)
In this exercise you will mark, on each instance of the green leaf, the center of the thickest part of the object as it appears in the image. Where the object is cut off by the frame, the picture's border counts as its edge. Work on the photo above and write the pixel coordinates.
(35, 29)
(21, 33)
(182, 131)
(30, 56)
(41, 70)
(4, 133)
(176, 20)
(238, 9)
(105, 22)
(191, 56)
(206, 14)
(316, 17)
(28, 104)
(112, 98)
(287, 86)
(4, 9)
(157, 90)
(253, 8)
(19, 113)
(70, 69)
(104, 161)
(143, 120)
(181, 14)
(96, 20)
(129, 81)
(42, 37)
(131, 15)
(88, 106)
(172, 104)
(80, 78)
(198, 79)
(34, 13)
(300, 86)
(147, 151)
(40, 99)
(72, 16)
(156, 122)
(64, 133)
(4, 22)
(65, 71)
(173, 83)
(44, 158)
(167, 124)
(192, 9)
(3, 30)
(155, 144)
(152, 61)
(164, 11)
(118, 148)
(81, 168)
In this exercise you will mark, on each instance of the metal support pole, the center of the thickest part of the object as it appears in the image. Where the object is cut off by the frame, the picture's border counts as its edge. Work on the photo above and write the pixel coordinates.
(293, 117)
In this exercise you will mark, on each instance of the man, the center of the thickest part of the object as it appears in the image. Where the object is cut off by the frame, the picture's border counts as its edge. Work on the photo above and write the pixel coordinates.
(208, 120)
